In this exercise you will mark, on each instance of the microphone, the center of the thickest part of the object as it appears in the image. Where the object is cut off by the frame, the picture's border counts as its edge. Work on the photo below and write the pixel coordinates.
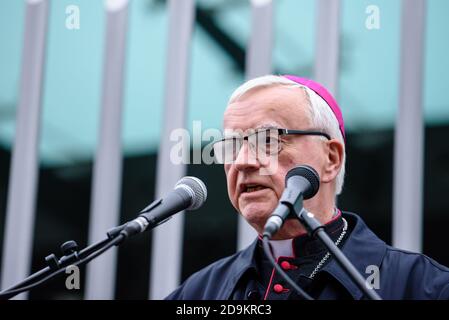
(189, 193)
(301, 183)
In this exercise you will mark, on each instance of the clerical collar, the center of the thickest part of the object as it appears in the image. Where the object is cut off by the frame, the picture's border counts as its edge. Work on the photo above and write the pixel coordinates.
(282, 248)
(303, 245)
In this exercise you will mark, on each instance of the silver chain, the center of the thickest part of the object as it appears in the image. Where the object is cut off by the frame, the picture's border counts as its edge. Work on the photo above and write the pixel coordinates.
(321, 263)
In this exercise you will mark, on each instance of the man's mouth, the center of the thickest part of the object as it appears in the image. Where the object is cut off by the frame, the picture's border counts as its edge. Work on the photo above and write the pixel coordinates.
(252, 188)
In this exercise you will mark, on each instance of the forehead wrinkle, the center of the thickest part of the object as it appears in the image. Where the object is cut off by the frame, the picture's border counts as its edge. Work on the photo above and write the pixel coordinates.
(268, 125)
(230, 133)
(290, 108)
(266, 114)
(285, 107)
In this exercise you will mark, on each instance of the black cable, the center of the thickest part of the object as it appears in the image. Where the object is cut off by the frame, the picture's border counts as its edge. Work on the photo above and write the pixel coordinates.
(266, 248)
(108, 243)
(93, 247)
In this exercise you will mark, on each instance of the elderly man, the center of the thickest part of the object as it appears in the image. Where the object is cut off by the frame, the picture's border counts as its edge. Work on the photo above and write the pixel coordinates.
(272, 124)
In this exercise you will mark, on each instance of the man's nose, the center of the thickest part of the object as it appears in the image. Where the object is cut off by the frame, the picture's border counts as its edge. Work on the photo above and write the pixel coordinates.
(246, 159)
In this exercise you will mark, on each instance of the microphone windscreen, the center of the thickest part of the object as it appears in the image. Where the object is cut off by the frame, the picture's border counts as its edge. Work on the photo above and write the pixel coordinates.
(199, 191)
(310, 175)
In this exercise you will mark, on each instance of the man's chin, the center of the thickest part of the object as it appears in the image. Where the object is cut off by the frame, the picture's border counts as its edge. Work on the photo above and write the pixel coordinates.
(256, 216)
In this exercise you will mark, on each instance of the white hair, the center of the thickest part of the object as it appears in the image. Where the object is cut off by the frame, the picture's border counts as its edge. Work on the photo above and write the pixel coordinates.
(320, 114)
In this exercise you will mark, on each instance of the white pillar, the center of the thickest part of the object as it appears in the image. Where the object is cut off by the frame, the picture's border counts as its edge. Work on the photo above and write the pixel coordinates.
(20, 212)
(166, 258)
(258, 63)
(327, 44)
(409, 134)
(107, 174)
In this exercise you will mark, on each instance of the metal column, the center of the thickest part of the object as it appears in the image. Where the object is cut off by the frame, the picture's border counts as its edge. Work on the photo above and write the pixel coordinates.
(327, 44)
(106, 185)
(409, 134)
(167, 239)
(258, 63)
(17, 250)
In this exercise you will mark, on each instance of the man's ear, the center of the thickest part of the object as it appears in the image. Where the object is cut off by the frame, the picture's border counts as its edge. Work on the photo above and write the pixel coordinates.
(333, 161)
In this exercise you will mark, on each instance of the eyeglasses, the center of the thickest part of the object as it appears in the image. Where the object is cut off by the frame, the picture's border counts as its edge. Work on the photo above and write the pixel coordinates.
(262, 142)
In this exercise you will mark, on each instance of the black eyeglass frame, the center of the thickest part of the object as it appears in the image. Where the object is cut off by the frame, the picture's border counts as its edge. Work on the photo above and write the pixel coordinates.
(284, 132)
(280, 132)
(302, 132)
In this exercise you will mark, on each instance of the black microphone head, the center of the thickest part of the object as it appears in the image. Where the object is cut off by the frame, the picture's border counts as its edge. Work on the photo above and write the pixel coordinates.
(197, 190)
(310, 175)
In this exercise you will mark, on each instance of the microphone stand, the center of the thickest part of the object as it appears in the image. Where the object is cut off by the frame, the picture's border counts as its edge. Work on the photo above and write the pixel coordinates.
(73, 257)
(316, 230)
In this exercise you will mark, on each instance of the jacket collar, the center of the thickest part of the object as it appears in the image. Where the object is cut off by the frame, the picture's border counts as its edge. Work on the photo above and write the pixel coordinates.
(362, 248)
(245, 262)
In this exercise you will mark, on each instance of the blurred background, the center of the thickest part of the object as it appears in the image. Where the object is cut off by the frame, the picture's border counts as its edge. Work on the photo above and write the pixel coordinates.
(368, 88)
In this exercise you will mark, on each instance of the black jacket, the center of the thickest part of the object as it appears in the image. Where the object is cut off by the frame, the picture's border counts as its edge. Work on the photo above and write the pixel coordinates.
(402, 274)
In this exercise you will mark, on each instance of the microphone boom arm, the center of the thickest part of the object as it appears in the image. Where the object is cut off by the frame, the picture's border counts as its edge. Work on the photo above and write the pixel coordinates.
(189, 194)
(316, 229)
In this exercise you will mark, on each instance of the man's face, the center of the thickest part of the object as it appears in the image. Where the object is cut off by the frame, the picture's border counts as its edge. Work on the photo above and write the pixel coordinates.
(281, 107)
